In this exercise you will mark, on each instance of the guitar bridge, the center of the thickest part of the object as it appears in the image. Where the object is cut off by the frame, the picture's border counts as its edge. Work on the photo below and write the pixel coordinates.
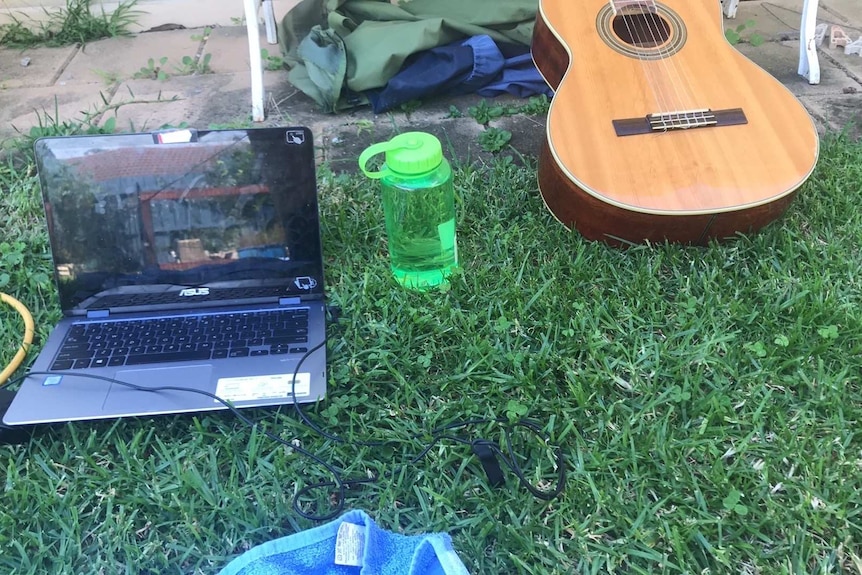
(685, 120)
(681, 120)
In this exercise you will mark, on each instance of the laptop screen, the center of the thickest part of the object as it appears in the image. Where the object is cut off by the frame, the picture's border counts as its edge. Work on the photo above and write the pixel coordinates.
(214, 216)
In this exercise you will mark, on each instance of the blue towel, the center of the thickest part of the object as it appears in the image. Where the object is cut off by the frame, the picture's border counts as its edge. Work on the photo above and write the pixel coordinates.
(350, 545)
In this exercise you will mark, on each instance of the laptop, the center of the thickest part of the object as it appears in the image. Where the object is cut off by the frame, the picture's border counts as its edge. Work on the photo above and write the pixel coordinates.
(183, 258)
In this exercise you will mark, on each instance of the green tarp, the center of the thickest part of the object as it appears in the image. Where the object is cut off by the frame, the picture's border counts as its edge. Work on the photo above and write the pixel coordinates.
(335, 49)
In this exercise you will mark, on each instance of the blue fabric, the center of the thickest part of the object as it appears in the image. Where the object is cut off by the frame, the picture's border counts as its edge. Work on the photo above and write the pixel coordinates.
(519, 77)
(477, 64)
(312, 552)
(456, 68)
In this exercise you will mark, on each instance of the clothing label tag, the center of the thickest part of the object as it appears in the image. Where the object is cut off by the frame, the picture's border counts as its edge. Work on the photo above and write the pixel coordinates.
(350, 544)
(262, 387)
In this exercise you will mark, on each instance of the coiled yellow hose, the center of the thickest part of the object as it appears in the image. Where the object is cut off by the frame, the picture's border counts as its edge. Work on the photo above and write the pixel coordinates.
(29, 333)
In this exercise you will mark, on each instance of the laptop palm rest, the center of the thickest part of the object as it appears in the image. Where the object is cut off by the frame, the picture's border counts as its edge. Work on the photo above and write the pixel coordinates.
(190, 376)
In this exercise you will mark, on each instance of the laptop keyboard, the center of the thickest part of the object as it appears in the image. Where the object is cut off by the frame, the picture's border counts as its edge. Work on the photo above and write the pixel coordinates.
(183, 338)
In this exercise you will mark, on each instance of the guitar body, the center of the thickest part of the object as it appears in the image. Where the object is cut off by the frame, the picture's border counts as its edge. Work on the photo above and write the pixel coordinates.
(660, 130)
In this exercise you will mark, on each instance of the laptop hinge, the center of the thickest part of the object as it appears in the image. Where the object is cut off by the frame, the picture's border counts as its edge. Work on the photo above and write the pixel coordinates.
(97, 313)
(288, 301)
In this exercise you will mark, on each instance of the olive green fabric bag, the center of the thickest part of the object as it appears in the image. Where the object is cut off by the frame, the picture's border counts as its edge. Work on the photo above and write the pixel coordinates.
(336, 49)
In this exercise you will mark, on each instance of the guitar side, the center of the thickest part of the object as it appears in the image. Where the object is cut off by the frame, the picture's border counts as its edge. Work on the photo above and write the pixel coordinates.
(689, 185)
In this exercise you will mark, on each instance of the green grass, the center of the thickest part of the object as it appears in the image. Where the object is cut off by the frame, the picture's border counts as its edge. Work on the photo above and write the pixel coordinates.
(707, 399)
(77, 22)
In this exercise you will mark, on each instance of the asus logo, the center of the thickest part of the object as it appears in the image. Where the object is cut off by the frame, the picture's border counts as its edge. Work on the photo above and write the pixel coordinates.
(194, 291)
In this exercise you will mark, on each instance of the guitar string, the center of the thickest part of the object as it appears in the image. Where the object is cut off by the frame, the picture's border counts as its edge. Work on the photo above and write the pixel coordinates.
(679, 114)
(649, 72)
(688, 100)
(655, 86)
(664, 56)
(684, 84)
(675, 152)
(650, 14)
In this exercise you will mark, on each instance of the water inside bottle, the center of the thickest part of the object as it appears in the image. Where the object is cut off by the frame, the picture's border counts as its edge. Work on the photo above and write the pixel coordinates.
(420, 226)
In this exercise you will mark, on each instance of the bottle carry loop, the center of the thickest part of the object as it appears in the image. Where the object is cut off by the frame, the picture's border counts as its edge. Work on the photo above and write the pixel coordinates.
(372, 151)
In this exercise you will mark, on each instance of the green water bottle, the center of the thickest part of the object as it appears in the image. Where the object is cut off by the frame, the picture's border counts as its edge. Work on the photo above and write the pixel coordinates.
(419, 208)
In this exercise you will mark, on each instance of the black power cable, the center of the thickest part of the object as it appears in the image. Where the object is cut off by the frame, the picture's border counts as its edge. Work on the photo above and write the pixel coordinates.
(487, 451)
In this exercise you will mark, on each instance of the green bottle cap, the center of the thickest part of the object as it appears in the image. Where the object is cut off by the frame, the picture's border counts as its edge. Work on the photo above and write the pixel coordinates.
(408, 154)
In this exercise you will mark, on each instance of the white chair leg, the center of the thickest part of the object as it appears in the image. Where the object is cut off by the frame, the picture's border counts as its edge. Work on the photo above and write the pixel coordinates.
(255, 63)
(730, 7)
(269, 20)
(809, 63)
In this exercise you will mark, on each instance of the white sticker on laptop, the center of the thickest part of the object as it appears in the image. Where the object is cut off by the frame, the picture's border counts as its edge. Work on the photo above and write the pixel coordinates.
(256, 387)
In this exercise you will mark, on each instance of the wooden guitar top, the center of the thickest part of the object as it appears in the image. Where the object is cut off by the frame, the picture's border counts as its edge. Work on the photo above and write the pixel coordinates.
(665, 58)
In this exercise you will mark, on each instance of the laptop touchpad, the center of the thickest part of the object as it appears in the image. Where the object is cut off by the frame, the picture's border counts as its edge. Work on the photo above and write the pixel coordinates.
(125, 399)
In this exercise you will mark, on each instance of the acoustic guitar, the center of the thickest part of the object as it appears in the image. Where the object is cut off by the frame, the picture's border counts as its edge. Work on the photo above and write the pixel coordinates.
(659, 129)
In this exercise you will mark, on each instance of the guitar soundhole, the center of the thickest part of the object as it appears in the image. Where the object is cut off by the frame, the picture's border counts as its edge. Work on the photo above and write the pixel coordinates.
(641, 29)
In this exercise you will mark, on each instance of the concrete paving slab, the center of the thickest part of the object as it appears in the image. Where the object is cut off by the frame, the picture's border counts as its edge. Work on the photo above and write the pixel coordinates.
(189, 13)
(343, 137)
(23, 109)
(342, 142)
(224, 99)
(43, 66)
(779, 20)
(197, 101)
(837, 112)
(229, 48)
(231, 101)
(781, 59)
(122, 58)
(848, 11)
(849, 64)
(528, 133)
